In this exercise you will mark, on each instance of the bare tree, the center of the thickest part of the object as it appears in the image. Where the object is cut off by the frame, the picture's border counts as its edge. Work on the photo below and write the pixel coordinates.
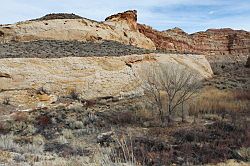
(177, 83)
(152, 88)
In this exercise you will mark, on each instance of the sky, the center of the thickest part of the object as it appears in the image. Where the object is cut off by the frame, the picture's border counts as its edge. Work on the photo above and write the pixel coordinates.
(189, 15)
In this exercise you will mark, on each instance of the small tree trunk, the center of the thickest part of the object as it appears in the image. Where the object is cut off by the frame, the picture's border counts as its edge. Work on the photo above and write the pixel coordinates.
(161, 115)
(169, 113)
(194, 119)
(182, 113)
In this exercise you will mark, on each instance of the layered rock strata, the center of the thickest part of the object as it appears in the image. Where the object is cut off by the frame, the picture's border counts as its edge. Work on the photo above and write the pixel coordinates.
(215, 43)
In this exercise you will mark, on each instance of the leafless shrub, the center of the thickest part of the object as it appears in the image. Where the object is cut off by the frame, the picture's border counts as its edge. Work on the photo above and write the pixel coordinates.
(74, 95)
(121, 154)
(169, 84)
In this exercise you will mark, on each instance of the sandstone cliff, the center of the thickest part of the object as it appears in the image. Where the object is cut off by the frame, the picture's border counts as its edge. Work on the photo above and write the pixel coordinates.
(90, 77)
(214, 42)
(121, 28)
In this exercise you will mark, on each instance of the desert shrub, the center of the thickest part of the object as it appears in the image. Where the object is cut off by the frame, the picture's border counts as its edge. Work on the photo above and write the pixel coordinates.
(72, 161)
(143, 115)
(29, 130)
(121, 153)
(31, 148)
(158, 131)
(212, 143)
(67, 133)
(74, 95)
(121, 118)
(62, 140)
(7, 142)
(63, 148)
(43, 120)
(6, 101)
(18, 127)
(23, 128)
(38, 140)
(90, 103)
(76, 125)
(21, 116)
(5, 127)
(245, 153)
(78, 143)
(19, 158)
(242, 94)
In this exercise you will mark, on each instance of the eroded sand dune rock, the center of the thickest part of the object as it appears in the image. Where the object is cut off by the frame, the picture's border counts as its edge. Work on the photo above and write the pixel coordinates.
(90, 77)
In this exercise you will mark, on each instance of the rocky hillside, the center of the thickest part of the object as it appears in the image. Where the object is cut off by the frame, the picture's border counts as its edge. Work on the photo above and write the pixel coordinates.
(217, 44)
(121, 28)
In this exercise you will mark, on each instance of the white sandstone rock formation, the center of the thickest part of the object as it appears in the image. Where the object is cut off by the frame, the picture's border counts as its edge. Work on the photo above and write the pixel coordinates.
(90, 77)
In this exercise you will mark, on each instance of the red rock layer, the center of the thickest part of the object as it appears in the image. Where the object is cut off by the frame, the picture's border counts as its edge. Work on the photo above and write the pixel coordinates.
(211, 42)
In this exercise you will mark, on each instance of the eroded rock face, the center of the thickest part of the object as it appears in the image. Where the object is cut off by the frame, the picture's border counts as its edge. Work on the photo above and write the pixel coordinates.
(90, 77)
(121, 28)
(219, 42)
(128, 17)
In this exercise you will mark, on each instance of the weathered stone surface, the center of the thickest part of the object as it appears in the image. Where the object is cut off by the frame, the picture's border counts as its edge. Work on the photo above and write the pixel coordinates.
(90, 77)
(121, 28)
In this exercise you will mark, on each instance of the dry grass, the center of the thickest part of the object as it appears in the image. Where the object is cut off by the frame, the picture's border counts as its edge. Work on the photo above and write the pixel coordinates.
(20, 116)
(7, 143)
(214, 101)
